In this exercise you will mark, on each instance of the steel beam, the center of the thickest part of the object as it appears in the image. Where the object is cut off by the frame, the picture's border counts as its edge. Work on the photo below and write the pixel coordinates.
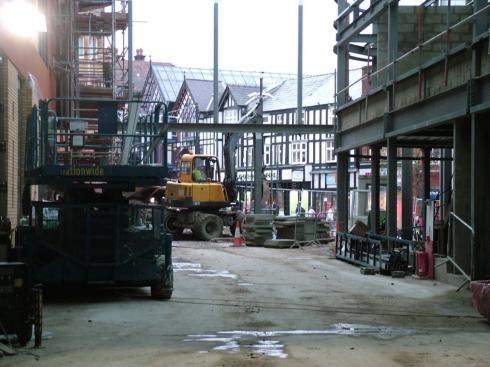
(365, 38)
(353, 29)
(247, 128)
(416, 117)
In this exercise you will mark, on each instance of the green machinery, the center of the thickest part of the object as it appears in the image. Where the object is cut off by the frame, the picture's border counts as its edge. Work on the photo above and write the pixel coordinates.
(87, 228)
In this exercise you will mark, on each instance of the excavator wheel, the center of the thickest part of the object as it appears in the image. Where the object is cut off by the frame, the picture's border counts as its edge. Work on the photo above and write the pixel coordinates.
(170, 224)
(207, 227)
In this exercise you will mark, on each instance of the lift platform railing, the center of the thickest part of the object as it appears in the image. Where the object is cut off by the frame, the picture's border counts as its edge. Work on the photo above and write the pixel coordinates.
(95, 235)
(92, 135)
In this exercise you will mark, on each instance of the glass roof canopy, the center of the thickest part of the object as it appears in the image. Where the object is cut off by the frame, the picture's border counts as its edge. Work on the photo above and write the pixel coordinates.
(170, 78)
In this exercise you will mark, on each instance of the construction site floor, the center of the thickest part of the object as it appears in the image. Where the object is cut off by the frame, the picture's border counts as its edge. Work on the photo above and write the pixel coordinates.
(251, 306)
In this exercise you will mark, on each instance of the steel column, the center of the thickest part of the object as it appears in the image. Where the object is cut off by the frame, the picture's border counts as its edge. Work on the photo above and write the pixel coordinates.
(407, 194)
(461, 240)
(342, 58)
(392, 38)
(258, 157)
(375, 188)
(130, 52)
(391, 192)
(342, 191)
(215, 75)
(300, 63)
(446, 185)
(426, 185)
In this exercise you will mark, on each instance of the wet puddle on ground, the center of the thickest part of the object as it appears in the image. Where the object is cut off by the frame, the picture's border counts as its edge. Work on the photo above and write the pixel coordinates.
(196, 270)
(264, 343)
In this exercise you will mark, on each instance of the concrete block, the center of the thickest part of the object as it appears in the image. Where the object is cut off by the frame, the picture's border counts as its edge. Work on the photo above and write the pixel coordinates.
(405, 28)
(433, 19)
(411, 18)
(367, 271)
(398, 274)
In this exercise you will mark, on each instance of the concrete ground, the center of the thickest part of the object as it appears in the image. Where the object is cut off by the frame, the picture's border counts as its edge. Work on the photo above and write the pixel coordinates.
(264, 307)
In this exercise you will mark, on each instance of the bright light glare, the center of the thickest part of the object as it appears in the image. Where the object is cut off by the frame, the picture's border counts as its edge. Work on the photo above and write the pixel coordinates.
(22, 19)
(152, 200)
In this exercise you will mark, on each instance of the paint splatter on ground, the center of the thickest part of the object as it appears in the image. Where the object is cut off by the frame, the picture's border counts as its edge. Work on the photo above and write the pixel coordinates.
(196, 270)
(235, 341)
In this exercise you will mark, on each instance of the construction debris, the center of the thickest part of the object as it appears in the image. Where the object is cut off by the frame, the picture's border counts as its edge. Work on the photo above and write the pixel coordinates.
(359, 229)
(257, 228)
(368, 271)
(398, 274)
(279, 243)
(288, 231)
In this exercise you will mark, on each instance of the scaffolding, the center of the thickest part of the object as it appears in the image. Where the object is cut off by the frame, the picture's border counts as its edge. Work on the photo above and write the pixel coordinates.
(92, 52)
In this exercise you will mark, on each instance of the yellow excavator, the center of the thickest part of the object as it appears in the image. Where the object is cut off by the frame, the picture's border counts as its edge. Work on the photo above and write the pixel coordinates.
(199, 200)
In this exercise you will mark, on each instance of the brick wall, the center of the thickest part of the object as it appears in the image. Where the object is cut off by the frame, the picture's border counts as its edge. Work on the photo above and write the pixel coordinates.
(11, 117)
(418, 24)
(27, 101)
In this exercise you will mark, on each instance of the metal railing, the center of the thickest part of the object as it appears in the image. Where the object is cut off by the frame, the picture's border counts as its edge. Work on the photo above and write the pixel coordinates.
(383, 253)
(449, 257)
(93, 135)
(358, 250)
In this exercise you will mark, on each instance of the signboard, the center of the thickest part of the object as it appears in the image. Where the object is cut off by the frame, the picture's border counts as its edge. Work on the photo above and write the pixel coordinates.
(331, 180)
(78, 126)
(82, 171)
(287, 174)
(271, 175)
(298, 176)
(245, 176)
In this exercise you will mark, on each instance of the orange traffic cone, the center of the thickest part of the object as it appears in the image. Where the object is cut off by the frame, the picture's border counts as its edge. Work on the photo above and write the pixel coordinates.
(237, 240)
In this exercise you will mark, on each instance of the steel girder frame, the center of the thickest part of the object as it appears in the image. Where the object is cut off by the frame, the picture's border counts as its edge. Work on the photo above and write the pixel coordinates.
(467, 101)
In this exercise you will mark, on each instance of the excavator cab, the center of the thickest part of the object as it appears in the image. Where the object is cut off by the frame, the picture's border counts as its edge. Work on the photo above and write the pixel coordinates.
(199, 169)
(199, 183)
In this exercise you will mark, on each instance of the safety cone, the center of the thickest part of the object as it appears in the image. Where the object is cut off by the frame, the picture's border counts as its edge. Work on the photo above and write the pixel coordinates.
(237, 240)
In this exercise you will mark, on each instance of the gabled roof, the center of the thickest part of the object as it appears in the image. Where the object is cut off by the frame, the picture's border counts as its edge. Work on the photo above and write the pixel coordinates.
(243, 95)
(317, 90)
(201, 92)
(170, 78)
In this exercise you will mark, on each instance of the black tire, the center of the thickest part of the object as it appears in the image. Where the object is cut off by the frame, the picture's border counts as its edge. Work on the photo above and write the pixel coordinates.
(24, 333)
(158, 291)
(207, 227)
(163, 288)
(170, 224)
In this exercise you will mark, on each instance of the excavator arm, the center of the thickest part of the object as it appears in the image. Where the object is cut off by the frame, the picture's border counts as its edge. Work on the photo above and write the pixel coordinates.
(231, 142)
